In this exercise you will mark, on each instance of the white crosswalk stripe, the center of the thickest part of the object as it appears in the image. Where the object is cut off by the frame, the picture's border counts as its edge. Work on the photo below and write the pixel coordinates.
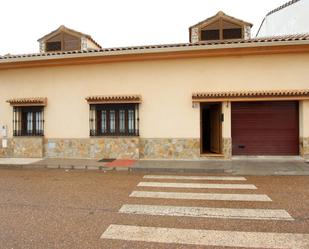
(200, 196)
(196, 185)
(204, 237)
(210, 178)
(207, 212)
(207, 237)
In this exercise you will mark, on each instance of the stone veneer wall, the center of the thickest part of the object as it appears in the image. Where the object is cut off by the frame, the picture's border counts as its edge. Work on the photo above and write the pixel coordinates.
(304, 147)
(42, 47)
(247, 32)
(28, 147)
(227, 148)
(120, 148)
(194, 35)
(169, 148)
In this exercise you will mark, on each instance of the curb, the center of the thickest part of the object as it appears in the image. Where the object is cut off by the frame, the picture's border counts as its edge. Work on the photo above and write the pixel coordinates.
(229, 171)
(61, 166)
(181, 170)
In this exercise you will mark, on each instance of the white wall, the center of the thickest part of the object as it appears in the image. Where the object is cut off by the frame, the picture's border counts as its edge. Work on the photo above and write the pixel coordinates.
(293, 19)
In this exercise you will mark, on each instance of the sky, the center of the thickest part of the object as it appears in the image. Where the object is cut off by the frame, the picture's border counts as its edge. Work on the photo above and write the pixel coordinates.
(116, 23)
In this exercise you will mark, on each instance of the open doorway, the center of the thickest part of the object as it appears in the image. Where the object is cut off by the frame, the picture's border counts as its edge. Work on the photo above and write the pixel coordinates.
(211, 120)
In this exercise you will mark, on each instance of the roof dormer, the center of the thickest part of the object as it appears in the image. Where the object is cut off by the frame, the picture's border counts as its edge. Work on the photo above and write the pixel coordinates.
(65, 39)
(220, 27)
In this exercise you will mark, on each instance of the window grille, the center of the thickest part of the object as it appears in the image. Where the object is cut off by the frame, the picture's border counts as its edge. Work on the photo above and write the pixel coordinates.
(114, 120)
(28, 121)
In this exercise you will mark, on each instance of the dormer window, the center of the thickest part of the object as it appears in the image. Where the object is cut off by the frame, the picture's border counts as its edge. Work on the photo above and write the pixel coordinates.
(212, 34)
(53, 46)
(235, 33)
(65, 39)
(220, 27)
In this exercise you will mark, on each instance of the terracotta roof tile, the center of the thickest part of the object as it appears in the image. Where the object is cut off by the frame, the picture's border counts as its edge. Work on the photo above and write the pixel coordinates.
(114, 99)
(250, 94)
(202, 45)
(282, 7)
(28, 101)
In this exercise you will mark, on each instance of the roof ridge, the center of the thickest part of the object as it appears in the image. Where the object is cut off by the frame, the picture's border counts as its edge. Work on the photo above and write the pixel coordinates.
(65, 28)
(282, 7)
(222, 14)
(282, 38)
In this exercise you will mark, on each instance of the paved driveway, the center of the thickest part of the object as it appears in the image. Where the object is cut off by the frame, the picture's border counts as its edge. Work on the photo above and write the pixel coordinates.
(93, 209)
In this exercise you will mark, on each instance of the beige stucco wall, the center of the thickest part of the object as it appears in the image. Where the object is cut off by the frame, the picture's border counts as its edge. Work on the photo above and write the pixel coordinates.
(304, 118)
(165, 86)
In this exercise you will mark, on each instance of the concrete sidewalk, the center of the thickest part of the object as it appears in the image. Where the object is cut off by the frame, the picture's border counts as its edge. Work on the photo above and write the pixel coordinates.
(232, 167)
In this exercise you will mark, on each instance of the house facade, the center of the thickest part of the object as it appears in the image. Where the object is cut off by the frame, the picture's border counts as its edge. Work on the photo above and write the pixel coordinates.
(221, 95)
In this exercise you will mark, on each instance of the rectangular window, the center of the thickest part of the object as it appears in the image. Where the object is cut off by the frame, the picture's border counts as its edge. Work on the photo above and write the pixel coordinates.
(213, 34)
(131, 121)
(232, 34)
(114, 120)
(103, 122)
(53, 46)
(122, 121)
(28, 121)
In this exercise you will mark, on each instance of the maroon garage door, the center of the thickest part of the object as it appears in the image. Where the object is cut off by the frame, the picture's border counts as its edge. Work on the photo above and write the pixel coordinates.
(265, 128)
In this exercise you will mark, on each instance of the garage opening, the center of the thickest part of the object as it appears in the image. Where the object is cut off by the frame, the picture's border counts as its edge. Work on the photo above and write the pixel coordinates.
(211, 128)
(265, 128)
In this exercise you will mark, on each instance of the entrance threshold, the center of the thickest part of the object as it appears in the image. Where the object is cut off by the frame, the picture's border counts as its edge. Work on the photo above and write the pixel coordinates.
(212, 155)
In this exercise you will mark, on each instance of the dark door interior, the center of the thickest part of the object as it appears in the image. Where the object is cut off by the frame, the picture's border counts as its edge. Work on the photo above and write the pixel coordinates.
(211, 128)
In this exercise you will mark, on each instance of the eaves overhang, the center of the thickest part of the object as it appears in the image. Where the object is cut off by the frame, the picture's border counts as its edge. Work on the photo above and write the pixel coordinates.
(170, 51)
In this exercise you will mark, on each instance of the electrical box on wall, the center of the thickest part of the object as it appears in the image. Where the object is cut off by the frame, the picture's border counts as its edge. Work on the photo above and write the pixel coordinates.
(4, 131)
(3, 135)
(4, 143)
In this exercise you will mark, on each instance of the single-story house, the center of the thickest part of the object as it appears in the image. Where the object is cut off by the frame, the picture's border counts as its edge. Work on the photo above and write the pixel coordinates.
(220, 95)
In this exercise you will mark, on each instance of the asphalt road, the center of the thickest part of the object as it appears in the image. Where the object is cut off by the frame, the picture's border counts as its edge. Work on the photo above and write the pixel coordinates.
(73, 209)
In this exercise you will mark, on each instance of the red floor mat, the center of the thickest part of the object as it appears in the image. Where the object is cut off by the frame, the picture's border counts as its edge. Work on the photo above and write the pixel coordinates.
(121, 163)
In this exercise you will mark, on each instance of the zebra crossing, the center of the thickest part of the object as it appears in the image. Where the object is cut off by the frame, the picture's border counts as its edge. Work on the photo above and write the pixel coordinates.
(207, 212)
(204, 237)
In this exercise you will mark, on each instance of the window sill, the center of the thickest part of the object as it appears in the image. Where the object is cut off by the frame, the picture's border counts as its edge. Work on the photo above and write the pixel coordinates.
(119, 136)
(28, 135)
